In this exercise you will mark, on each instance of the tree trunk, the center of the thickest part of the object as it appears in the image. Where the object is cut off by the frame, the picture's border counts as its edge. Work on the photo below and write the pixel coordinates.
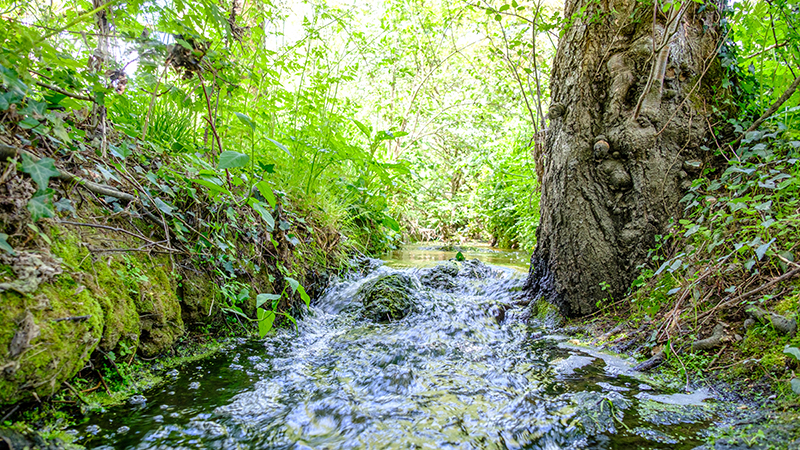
(628, 124)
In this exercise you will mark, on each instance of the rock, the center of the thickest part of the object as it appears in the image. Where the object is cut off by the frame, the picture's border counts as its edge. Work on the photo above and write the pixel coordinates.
(28, 439)
(387, 298)
(780, 323)
(442, 276)
(475, 269)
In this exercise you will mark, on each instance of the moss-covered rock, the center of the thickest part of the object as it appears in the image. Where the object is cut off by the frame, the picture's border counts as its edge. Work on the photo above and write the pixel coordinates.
(475, 269)
(197, 300)
(388, 297)
(441, 276)
(46, 337)
(158, 307)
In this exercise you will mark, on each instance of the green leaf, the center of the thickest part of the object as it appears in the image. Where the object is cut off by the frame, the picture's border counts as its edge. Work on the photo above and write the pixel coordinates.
(246, 120)
(41, 206)
(28, 122)
(266, 192)
(229, 160)
(392, 224)
(259, 207)
(293, 284)
(163, 206)
(211, 185)
(3, 103)
(796, 385)
(762, 249)
(367, 131)
(460, 257)
(264, 298)
(794, 351)
(265, 321)
(5, 245)
(280, 146)
(40, 171)
(302, 291)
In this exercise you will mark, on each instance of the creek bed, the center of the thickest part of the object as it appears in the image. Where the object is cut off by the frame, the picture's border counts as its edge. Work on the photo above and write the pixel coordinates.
(448, 375)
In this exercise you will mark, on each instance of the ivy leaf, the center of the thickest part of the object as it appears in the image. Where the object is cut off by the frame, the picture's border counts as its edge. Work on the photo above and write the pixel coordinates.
(163, 206)
(28, 122)
(65, 205)
(796, 385)
(265, 321)
(264, 298)
(40, 171)
(229, 160)
(794, 351)
(41, 206)
(5, 245)
(762, 249)
(246, 120)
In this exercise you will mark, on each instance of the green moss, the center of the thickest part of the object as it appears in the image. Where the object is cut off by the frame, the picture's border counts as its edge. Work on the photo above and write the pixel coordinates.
(387, 298)
(106, 286)
(196, 294)
(158, 307)
(547, 313)
(59, 349)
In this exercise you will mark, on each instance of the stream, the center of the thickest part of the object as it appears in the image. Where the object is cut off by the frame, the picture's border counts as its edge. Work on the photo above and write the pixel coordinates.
(450, 375)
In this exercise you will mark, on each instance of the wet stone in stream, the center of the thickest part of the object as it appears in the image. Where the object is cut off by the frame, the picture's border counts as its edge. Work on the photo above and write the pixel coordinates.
(444, 374)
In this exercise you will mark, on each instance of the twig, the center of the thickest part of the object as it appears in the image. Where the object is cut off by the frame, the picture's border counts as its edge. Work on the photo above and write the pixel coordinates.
(103, 380)
(73, 318)
(119, 230)
(75, 391)
(99, 383)
(723, 304)
(13, 410)
(64, 92)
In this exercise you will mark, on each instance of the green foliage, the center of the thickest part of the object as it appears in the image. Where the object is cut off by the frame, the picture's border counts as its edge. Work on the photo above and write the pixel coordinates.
(795, 382)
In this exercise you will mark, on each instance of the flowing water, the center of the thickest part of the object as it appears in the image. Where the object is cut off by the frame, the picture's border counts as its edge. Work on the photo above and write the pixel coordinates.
(451, 375)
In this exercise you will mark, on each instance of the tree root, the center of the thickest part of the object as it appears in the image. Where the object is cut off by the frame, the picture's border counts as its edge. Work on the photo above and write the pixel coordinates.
(715, 340)
(780, 323)
(651, 363)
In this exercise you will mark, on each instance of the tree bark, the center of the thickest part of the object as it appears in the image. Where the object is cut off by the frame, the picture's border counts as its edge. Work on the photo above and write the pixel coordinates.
(632, 90)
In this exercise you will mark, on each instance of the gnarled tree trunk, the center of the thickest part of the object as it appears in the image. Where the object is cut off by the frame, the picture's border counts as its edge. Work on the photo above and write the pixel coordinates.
(630, 115)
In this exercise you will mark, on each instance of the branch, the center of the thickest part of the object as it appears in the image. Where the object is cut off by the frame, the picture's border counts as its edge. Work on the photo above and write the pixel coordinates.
(8, 152)
(771, 47)
(118, 230)
(778, 103)
(64, 92)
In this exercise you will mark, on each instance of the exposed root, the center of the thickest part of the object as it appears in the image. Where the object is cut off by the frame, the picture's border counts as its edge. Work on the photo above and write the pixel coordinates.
(715, 340)
(780, 323)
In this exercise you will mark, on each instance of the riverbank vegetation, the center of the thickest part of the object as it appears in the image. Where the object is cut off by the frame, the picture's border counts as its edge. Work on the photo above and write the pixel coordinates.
(196, 170)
